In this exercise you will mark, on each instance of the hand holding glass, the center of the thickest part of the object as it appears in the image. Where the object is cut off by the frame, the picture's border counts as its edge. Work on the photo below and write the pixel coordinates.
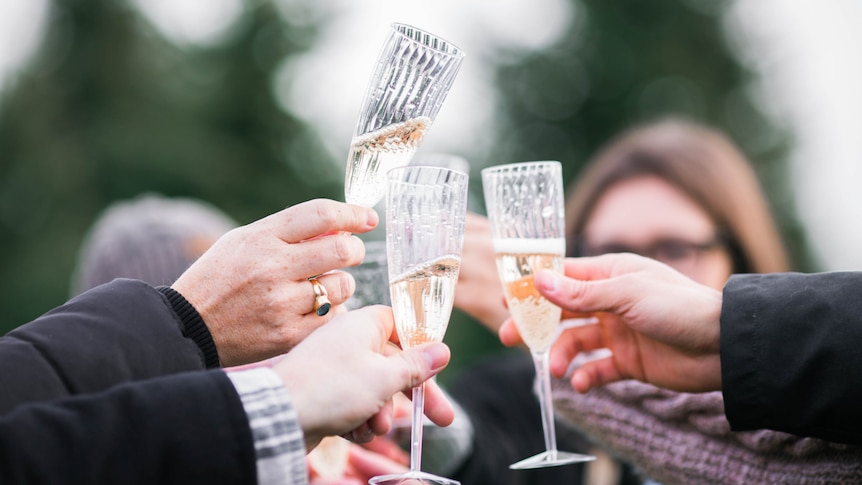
(526, 213)
(426, 209)
(414, 72)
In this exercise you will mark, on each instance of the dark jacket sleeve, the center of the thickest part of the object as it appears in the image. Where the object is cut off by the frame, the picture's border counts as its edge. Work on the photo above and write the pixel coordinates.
(122, 331)
(185, 428)
(791, 354)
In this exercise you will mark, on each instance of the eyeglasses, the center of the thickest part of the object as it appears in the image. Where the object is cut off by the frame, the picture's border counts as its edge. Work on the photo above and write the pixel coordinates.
(679, 253)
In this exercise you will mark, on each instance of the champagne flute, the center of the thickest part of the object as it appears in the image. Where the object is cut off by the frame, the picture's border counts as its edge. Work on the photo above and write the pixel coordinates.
(526, 213)
(450, 161)
(426, 209)
(414, 72)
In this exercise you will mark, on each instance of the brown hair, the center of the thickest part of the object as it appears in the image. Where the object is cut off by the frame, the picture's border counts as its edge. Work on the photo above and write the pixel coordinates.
(707, 167)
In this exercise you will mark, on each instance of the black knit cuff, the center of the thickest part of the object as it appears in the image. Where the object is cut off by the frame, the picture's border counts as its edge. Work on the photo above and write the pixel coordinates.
(194, 327)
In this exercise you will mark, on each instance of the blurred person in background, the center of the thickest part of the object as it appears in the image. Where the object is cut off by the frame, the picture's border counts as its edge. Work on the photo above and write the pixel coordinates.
(151, 238)
(670, 189)
(684, 195)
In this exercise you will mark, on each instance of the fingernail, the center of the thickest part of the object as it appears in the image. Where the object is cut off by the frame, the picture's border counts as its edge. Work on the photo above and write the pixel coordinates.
(373, 219)
(558, 368)
(547, 281)
(581, 381)
(437, 356)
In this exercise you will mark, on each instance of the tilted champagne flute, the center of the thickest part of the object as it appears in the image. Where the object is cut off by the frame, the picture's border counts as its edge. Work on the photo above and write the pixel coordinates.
(414, 72)
(426, 209)
(525, 209)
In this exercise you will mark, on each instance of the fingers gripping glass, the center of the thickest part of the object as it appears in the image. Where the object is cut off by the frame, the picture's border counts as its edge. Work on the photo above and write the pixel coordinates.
(525, 209)
(414, 72)
(426, 209)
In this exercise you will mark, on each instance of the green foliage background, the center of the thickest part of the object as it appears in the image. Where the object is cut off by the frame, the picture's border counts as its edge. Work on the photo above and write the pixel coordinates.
(109, 109)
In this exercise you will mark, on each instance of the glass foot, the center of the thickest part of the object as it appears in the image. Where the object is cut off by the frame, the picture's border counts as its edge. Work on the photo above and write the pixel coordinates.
(412, 478)
(550, 458)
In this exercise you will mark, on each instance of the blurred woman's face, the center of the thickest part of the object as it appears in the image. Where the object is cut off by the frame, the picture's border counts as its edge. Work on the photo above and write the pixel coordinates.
(649, 216)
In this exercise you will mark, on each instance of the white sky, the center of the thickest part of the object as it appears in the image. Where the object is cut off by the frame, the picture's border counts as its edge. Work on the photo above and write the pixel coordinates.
(807, 51)
(341, 64)
(21, 23)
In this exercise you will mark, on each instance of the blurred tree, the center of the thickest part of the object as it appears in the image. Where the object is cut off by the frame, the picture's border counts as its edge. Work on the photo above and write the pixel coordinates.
(109, 109)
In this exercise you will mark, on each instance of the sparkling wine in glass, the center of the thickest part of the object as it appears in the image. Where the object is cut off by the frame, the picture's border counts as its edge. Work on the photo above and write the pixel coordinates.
(414, 72)
(526, 213)
(426, 209)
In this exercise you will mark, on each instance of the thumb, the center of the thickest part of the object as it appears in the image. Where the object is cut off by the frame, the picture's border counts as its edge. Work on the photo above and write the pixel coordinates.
(581, 297)
(421, 363)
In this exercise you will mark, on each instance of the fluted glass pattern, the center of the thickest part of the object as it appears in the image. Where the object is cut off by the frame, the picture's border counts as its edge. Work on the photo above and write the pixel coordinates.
(525, 200)
(413, 75)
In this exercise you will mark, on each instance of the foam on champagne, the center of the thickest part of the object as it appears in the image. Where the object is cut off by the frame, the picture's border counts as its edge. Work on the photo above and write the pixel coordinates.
(517, 262)
(530, 245)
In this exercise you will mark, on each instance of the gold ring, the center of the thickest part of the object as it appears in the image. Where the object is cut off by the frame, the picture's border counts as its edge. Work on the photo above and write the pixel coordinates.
(321, 298)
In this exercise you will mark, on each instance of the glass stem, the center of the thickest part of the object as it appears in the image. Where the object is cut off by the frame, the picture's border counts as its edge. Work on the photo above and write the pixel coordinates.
(417, 428)
(543, 374)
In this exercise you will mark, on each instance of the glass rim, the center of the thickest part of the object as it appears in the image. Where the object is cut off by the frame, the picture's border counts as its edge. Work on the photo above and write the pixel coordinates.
(517, 165)
(447, 48)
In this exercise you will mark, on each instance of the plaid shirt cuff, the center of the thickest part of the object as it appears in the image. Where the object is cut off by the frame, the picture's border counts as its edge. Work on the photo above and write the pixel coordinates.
(279, 444)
